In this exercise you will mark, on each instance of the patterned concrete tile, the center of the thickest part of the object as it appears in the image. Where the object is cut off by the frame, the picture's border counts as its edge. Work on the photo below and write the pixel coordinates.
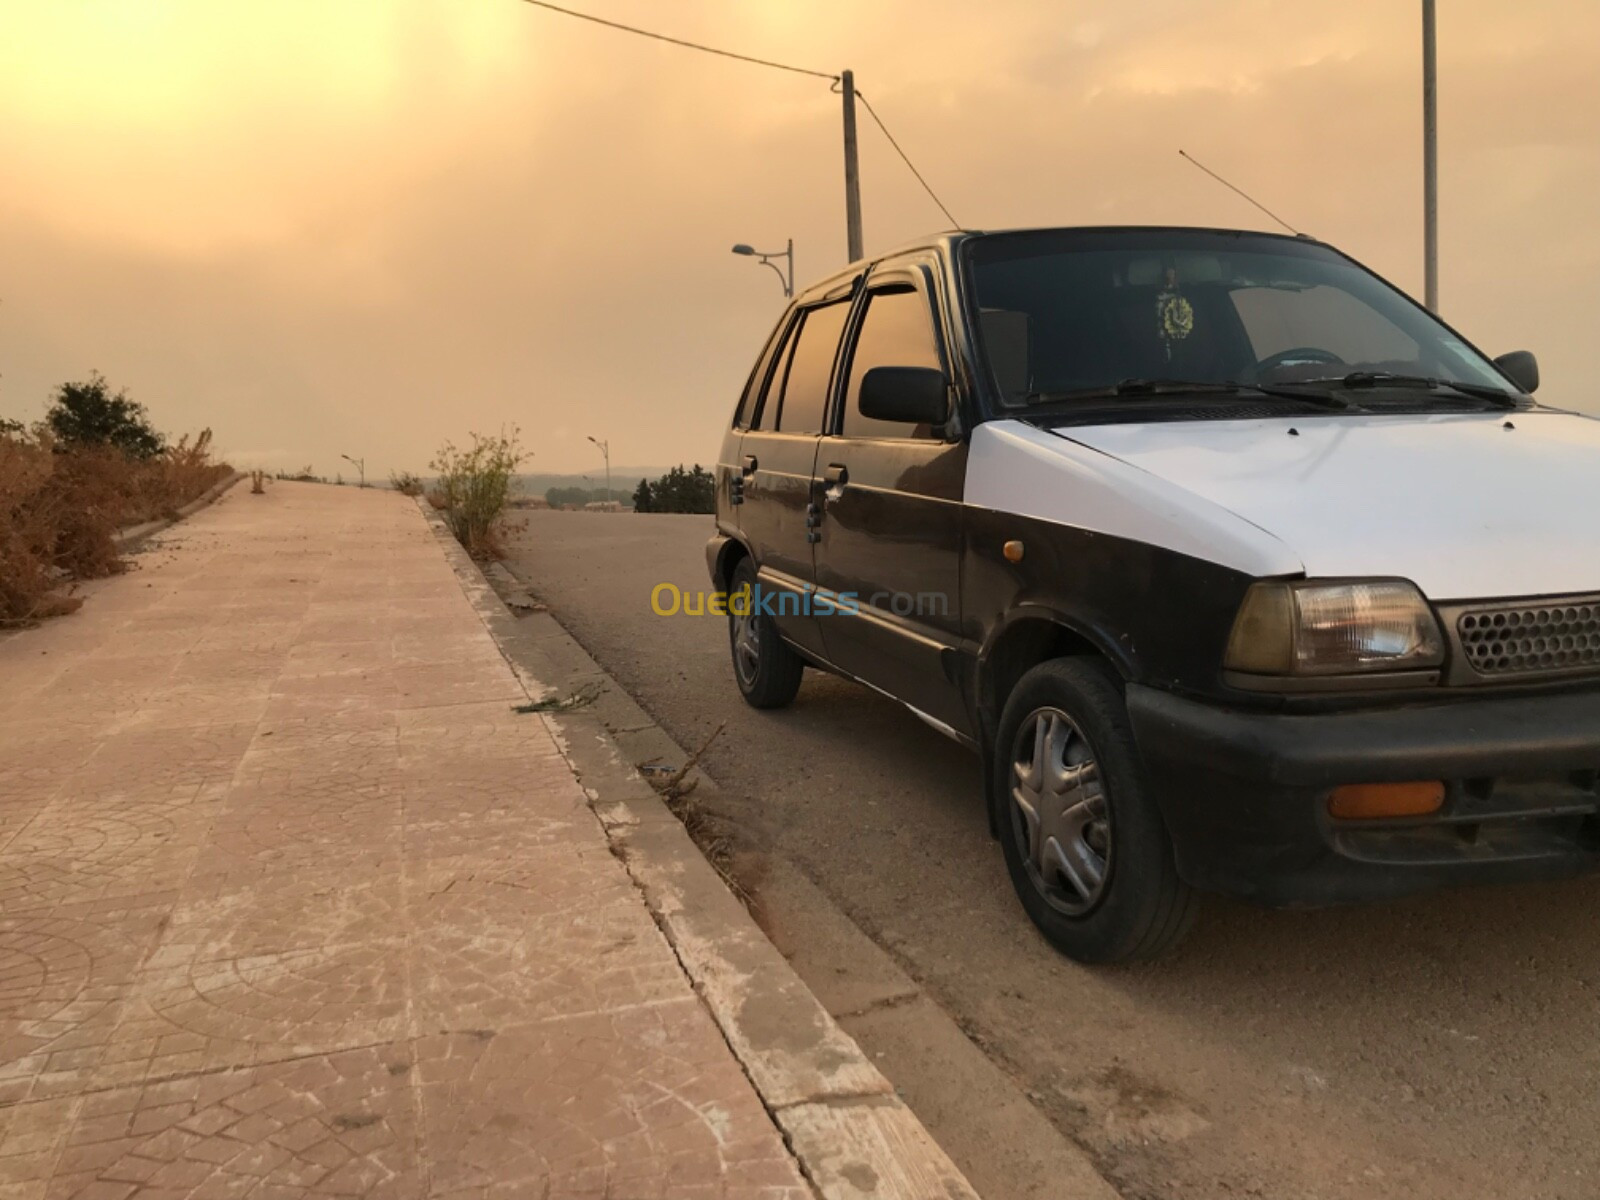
(78, 852)
(455, 683)
(341, 1124)
(63, 976)
(190, 706)
(139, 757)
(262, 1008)
(246, 913)
(644, 1104)
(559, 932)
(31, 1138)
(293, 904)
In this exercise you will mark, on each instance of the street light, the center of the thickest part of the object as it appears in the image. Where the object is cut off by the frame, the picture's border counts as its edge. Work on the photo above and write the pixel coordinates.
(605, 452)
(766, 259)
(360, 464)
(1430, 156)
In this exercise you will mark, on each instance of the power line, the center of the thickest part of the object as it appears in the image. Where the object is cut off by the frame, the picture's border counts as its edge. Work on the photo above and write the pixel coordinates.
(661, 37)
(873, 113)
(761, 62)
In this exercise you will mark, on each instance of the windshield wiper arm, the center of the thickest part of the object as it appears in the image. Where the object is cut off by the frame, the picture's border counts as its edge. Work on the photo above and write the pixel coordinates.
(1131, 387)
(1378, 379)
(1135, 388)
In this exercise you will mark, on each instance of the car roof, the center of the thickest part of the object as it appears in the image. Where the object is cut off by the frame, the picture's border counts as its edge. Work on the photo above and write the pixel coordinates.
(946, 241)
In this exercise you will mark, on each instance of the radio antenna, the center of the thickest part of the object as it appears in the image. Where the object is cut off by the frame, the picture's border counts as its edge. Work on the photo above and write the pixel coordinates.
(1190, 158)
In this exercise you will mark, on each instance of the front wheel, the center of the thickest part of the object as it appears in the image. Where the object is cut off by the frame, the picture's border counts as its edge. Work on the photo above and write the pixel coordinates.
(766, 669)
(1084, 842)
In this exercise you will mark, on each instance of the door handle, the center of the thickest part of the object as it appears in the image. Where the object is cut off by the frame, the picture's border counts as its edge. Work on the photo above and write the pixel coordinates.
(837, 475)
(747, 465)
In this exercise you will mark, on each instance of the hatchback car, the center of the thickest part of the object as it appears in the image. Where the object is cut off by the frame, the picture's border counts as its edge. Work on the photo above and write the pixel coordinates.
(1242, 571)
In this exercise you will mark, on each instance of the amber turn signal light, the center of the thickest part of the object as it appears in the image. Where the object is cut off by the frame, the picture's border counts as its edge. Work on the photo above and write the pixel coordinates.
(1012, 551)
(1366, 801)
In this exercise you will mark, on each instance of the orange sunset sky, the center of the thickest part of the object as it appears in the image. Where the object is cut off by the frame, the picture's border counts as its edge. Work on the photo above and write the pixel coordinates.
(366, 226)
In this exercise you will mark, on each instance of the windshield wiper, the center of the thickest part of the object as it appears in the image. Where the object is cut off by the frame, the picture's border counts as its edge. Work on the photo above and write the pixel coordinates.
(1138, 388)
(1367, 380)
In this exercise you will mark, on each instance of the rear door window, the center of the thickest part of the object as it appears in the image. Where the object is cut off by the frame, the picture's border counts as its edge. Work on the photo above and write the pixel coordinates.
(771, 396)
(810, 370)
(896, 331)
(750, 402)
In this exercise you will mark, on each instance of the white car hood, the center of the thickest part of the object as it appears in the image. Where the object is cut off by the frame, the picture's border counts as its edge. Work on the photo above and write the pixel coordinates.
(1465, 506)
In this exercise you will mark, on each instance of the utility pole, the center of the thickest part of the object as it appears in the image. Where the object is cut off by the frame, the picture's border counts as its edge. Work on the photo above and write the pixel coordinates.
(605, 452)
(1430, 156)
(852, 167)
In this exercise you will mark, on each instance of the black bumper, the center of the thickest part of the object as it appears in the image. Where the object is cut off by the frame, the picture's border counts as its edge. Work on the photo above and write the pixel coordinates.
(1245, 794)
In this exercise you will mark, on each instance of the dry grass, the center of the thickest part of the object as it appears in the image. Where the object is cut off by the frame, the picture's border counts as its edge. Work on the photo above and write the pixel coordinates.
(407, 483)
(676, 789)
(60, 510)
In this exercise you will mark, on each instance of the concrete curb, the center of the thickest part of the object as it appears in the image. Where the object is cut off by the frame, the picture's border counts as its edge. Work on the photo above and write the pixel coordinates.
(851, 1134)
(126, 539)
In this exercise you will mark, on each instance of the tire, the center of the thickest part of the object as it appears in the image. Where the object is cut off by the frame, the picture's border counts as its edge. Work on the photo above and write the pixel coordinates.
(765, 668)
(1064, 735)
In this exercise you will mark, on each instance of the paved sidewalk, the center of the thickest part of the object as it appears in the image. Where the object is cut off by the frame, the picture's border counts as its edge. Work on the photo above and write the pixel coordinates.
(292, 903)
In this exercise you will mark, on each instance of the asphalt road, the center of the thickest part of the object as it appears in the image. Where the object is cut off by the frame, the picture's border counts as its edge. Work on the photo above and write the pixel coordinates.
(1438, 1047)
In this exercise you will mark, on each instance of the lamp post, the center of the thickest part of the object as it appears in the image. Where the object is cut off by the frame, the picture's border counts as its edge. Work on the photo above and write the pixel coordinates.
(605, 453)
(360, 464)
(1430, 156)
(766, 259)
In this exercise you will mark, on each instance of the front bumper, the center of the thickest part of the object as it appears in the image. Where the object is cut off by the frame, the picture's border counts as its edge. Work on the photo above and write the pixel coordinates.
(1245, 793)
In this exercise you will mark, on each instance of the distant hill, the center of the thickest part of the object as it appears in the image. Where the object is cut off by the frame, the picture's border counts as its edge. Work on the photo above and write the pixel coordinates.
(623, 480)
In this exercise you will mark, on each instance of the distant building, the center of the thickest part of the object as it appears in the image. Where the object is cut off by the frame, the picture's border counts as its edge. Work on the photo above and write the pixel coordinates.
(603, 506)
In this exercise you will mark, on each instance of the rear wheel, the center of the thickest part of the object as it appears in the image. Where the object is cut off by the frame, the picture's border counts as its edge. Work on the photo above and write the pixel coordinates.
(766, 669)
(1084, 842)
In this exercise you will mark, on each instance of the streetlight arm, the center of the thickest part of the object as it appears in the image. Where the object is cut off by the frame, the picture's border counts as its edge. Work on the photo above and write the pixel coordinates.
(766, 262)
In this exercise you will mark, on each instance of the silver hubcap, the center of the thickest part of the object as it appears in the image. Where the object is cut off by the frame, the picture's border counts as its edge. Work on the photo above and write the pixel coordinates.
(746, 636)
(1058, 803)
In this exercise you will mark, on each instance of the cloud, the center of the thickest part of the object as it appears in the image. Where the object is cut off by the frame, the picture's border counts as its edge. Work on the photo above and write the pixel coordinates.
(366, 227)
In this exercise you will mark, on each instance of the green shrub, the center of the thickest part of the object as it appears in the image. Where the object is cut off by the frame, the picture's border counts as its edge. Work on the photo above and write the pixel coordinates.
(88, 414)
(473, 487)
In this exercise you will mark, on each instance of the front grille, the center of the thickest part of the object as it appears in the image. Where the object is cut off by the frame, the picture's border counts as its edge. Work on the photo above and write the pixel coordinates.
(1525, 639)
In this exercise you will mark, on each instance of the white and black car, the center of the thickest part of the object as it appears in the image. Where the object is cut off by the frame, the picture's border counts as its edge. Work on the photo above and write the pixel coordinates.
(1242, 571)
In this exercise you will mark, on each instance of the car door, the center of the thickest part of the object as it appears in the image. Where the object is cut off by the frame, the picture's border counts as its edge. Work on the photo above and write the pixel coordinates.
(890, 498)
(778, 457)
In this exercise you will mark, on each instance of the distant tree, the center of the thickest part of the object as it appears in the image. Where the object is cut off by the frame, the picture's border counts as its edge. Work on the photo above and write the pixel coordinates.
(87, 414)
(642, 501)
(680, 491)
(560, 497)
(8, 426)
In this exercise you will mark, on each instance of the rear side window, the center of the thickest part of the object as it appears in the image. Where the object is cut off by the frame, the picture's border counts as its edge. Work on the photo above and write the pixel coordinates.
(750, 402)
(771, 395)
(896, 331)
(805, 387)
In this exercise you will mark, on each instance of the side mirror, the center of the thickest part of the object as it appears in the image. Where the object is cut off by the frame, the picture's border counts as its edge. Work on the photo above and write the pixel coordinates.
(911, 395)
(1522, 367)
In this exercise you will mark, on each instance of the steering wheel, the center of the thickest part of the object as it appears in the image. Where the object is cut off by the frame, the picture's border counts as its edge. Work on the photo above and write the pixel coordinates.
(1298, 356)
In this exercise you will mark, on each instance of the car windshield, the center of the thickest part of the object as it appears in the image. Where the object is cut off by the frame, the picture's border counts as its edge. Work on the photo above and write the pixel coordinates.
(1139, 313)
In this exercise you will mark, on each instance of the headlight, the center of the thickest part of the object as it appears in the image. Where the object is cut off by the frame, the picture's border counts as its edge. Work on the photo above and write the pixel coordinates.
(1333, 629)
